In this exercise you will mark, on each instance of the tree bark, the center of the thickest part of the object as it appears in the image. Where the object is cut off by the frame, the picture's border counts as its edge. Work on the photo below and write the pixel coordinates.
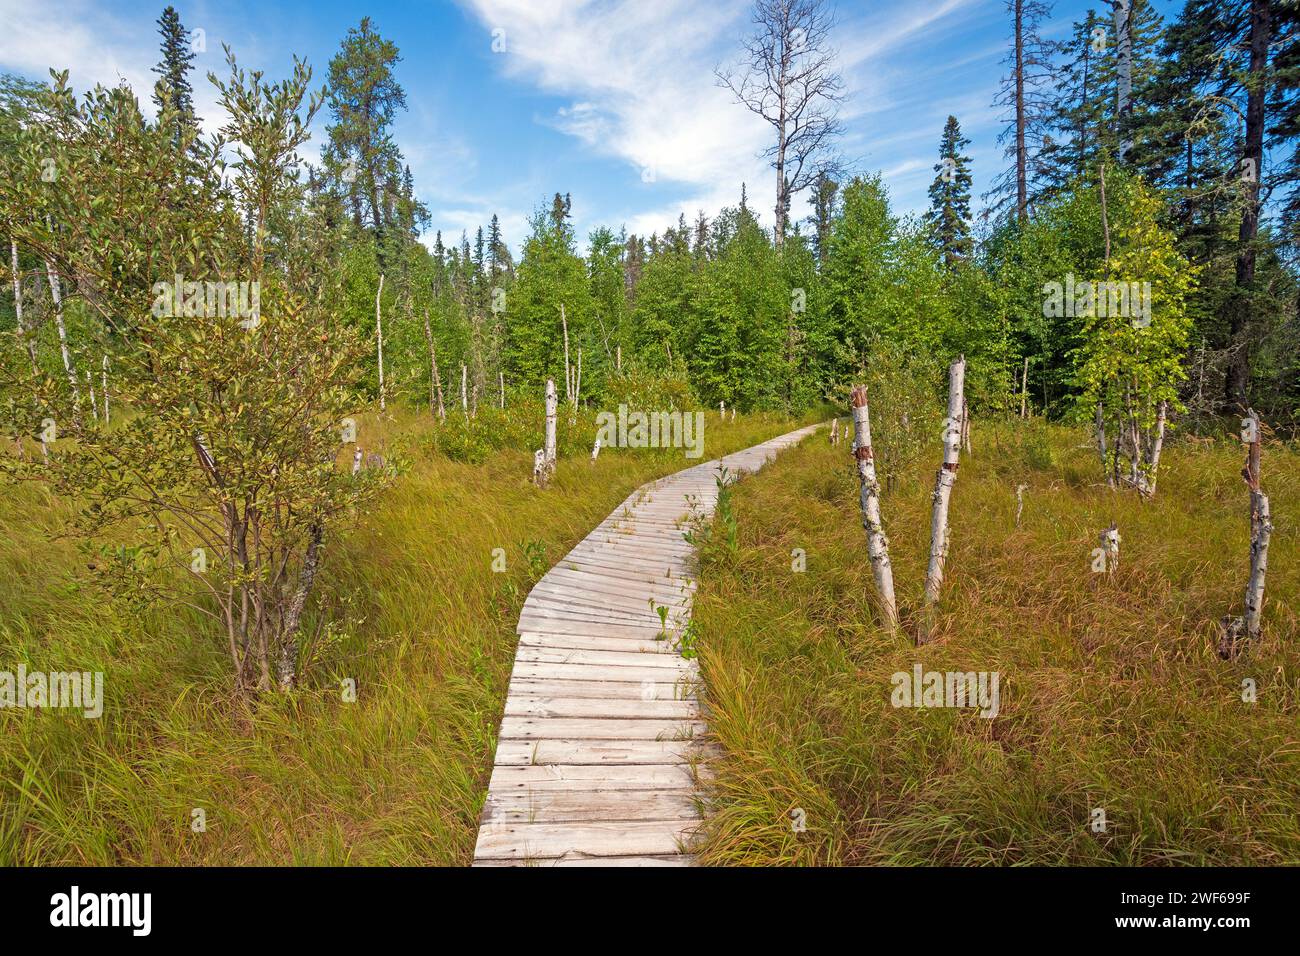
(946, 478)
(435, 380)
(1237, 380)
(56, 294)
(869, 504)
(288, 663)
(379, 341)
(1022, 185)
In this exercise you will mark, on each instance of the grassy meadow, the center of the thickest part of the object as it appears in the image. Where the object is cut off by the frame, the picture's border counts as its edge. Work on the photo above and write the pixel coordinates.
(417, 619)
(1112, 694)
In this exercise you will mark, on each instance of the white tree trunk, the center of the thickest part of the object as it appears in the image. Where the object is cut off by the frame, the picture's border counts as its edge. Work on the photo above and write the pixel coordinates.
(1149, 471)
(568, 375)
(965, 426)
(1024, 390)
(618, 358)
(104, 382)
(435, 380)
(501, 379)
(869, 503)
(835, 431)
(379, 341)
(29, 338)
(595, 449)
(947, 477)
(464, 390)
(1247, 626)
(56, 293)
(1110, 548)
(356, 460)
(722, 410)
(548, 449)
(1020, 502)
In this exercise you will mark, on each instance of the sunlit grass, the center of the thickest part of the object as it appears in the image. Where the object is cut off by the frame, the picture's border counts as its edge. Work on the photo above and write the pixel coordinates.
(398, 776)
(1112, 695)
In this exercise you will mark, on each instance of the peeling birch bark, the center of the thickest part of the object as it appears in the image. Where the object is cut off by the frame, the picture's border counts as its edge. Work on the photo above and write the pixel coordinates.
(547, 464)
(435, 380)
(23, 332)
(965, 426)
(835, 431)
(379, 341)
(1147, 486)
(1244, 630)
(869, 503)
(1024, 390)
(568, 376)
(595, 449)
(1110, 547)
(56, 294)
(947, 477)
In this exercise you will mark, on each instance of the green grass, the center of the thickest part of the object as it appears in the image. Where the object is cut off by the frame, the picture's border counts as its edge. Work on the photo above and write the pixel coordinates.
(1112, 695)
(425, 629)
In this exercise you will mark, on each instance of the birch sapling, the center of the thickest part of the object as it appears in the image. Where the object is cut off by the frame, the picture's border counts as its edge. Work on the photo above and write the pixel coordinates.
(435, 380)
(552, 409)
(104, 382)
(1024, 390)
(23, 333)
(501, 379)
(1147, 477)
(464, 390)
(869, 503)
(835, 431)
(1247, 626)
(56, 294)
(568, 374)
(947, 477)
(379, 340)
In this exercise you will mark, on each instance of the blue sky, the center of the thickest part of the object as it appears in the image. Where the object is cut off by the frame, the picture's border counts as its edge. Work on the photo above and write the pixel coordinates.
(613, 101)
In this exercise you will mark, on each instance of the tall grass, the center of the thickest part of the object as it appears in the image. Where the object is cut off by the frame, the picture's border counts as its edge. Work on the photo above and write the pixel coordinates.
(419, 622)
(1112, 696)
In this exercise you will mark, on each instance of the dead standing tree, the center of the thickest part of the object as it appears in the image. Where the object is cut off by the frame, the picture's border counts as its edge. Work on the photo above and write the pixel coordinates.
(947, 477)
(787, 78)
(869, 502)
(1234, 629)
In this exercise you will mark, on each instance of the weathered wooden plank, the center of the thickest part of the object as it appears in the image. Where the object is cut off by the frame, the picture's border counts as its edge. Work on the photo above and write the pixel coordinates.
(550, 777)
(523, 705)
(566, 751)
(619, 838)
(598, 728)
(563, 806)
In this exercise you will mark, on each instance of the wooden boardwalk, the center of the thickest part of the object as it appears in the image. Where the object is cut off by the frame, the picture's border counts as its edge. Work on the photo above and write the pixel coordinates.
(600, 747)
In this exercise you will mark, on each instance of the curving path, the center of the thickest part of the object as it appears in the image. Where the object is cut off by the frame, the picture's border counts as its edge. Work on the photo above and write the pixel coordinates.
(600, 747)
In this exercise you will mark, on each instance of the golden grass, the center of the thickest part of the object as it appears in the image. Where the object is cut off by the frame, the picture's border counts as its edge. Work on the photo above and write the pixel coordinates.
(1112, 695)
(398, 777)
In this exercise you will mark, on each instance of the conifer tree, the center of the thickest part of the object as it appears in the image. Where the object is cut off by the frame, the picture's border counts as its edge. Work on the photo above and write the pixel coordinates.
(949, 215)
(173, 70)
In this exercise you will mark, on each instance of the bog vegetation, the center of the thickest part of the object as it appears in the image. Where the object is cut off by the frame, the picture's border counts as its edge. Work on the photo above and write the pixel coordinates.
(264, 436)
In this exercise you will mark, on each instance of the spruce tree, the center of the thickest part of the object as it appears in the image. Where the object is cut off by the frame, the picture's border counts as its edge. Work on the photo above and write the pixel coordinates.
(949, 215)
(173, 70)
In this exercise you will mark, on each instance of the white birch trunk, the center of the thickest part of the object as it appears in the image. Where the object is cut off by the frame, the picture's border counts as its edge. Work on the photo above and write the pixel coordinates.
(1247, 626)
(56, 293)
(869, 503)
(1110, 548)
(464, 390)
(90, 389)
(722, 410)
(379, 341)
(1020, 502)
(104, 382)
(1024, 390)
(356, 460)
(618, 358)
(577, 384)
(595, 449)
(944, 482)
(965, 426)
(1149, 472)
(568, 377)
(29, 338)
(435, 380)
(501, 379)
(835, 431)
